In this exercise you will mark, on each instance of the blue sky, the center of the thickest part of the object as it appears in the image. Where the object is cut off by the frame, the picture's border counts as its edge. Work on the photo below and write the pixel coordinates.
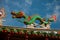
(44, 8)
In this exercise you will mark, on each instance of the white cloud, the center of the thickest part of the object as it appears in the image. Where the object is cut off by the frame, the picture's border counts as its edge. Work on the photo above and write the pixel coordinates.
(6, 1)
(26, 6)
(48, 4)
(17, 4)
(56, 9)
(7, 8)
(48, 15)
(52, 4)
(28, 2)
(59, 20)
(57, 12)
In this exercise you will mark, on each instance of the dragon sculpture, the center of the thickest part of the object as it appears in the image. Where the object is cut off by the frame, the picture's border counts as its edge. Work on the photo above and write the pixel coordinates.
(30, 20)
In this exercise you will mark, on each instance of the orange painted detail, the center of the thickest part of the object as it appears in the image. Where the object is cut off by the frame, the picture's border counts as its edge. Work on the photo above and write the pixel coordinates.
(29, 18)
(21, 14)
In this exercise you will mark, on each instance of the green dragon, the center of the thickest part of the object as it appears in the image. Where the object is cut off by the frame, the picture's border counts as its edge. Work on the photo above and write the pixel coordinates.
(31, 19)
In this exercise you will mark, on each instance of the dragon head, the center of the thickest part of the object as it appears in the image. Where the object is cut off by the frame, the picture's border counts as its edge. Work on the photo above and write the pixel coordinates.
(17, 15)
